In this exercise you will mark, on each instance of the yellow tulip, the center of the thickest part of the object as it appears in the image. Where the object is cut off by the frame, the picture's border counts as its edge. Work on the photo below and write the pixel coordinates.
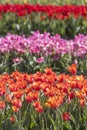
(68, 1)
(25, 1)
(7, 1)
(86, 1)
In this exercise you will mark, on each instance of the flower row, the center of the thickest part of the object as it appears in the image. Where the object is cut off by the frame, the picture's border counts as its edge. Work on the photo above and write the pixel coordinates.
(18, 87)
(38, 51)
(24, 94)
(57, 12)
(44, 44)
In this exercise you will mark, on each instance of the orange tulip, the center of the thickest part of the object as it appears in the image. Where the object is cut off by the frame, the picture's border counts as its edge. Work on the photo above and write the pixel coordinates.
(2, 104)
(72, 69)
(12, 118)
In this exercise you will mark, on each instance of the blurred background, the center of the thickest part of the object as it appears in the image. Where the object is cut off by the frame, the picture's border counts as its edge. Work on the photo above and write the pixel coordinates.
(55, 2)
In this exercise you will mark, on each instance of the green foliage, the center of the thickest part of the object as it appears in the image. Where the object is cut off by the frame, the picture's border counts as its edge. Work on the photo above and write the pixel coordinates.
(67, 28)
(56, 2)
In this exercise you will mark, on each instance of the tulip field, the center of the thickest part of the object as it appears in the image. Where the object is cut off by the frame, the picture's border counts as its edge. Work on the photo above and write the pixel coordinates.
(43, 65)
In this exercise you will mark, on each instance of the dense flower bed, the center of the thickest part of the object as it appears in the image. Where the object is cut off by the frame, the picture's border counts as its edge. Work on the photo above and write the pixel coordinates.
(66, 20)
(24, 95)
(44, 44)
(43, 77)
(38, 51)
(56, 12)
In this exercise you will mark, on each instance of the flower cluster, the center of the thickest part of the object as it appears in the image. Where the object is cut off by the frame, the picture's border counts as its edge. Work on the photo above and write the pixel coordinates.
(44, 45)
(56, 12)
(42, 89)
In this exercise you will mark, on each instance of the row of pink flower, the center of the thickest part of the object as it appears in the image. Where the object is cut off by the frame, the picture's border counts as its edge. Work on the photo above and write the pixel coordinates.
(50, 10)
(44, 44)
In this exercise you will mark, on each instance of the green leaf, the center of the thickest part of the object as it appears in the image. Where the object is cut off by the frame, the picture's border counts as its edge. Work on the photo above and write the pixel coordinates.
(52, 121)
(85, 23)
(32, 125)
